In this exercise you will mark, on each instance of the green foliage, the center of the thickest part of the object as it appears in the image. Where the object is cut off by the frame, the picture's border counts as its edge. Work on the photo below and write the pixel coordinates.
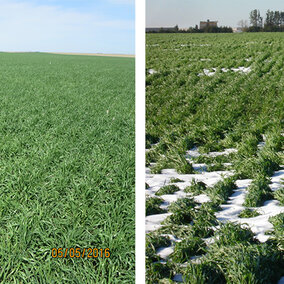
(187, 248)
(179, 231)
(235, 257)
(182, 210)
(247, 263)
(248, 213)
(278, 225)
(196, 187)
(258, 192)
(158, 271)
(67, 167)
(153, 206)
(279, 195)
(185, 108)
(204, 220)
(154, 241)
(231, 233)
(221, 191)
(167, 189)
(229, 109)
(204, 273)
(174, 180)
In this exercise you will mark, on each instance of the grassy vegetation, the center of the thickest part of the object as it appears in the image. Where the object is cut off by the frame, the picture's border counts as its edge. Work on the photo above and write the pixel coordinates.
(167, 189)
(196, 187)
(153, 206)
(185, 108)
(154, 241)
(278, 226)
(66, 167)
(187, 248)
(234, 116)
(248, 213)
(174, 180)
(279, 195)
(220, 192)
(258, 192)
(182, 210)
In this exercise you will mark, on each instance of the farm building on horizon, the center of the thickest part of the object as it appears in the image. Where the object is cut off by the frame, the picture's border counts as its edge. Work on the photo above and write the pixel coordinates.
(208, 23)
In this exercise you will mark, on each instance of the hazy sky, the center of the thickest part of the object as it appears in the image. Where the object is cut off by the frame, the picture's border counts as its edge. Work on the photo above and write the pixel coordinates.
(106, 26)
(188, 13)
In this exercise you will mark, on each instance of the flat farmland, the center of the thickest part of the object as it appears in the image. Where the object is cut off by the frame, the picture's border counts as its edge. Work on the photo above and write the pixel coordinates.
(214, 158)
(66, 167)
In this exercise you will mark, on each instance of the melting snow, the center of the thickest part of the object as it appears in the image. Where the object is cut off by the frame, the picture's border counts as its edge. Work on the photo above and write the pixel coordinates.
(240, 69)
(230, 211)
(260, 224)
(152, 71)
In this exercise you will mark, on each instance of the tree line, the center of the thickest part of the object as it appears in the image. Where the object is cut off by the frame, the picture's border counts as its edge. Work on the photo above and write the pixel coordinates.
(207, 29)
(273, 22)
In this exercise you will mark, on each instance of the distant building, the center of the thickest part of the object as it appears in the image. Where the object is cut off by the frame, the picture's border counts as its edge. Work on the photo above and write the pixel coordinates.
(161, 29)
(208, 23)
(237, 30)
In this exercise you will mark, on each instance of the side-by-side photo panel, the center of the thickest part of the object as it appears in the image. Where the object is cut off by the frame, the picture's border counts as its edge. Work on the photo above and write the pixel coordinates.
(67, 141)
(214, 142)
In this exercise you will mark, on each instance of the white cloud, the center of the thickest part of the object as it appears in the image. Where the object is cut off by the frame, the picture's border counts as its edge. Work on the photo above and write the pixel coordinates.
(28, 27)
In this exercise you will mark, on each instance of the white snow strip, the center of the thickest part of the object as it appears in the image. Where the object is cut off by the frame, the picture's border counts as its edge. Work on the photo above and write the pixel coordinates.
(277, 180)
(202, 198)
(199, 167)
(152, 71)
(225, 152)
(156, 181)
(225, 70)
(192, 153)
(242, 69)
(209, 73)
(165, 252)
(259, 224)
(153, 222)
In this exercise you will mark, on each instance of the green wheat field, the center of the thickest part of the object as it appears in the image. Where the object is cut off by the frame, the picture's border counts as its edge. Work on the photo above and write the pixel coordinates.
(215, 158)
(66, 167)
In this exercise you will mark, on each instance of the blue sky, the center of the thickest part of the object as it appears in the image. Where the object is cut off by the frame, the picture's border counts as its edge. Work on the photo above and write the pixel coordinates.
(103, 26)
(188, 13)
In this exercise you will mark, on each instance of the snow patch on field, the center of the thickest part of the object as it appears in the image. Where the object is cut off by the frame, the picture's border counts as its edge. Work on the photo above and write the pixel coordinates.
(156, 181)
(152, 71)
(260, 224)
(153, 222)
(230, 211)
(241, 69)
